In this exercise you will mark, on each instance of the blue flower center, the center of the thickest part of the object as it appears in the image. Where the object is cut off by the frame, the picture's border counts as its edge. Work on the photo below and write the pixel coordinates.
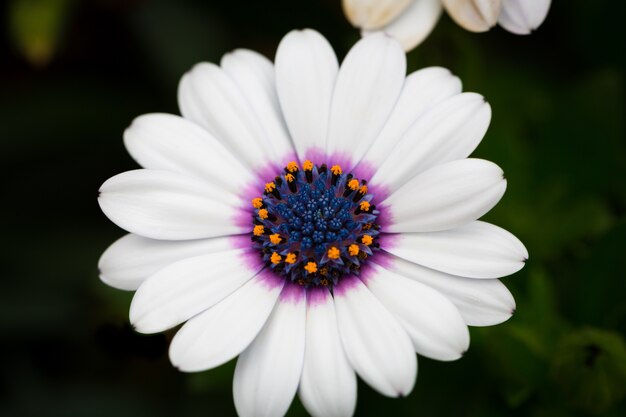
(315, 225)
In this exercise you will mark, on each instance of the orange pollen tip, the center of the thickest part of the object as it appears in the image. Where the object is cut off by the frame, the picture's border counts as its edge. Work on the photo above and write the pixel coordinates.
(307, 165)
(270, 186)
(336, 169)
(258, 230)
(365, 206)
(367, 240)
(363, 189)
(324, 282)
(353, 249)
(333, 253)
(275, 239)
(292, 166)
(289, 178)
(275, 258)
(257, 203)
(290, 258)
(263, 214)
(353, 184)
(311, 267)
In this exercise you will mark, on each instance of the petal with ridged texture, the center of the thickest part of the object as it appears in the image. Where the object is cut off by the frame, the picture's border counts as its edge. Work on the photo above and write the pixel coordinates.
(446, 196)
(167, 205)
(434, 324)
(170, 143)
(368, 86)
(377, 346)
(222, 332)
(268, 371)
(255, 76)
(328, 384)
(306, 69)
(188, 287)
(209, 97)
(132, 258)
(422, 90)
(481, 302)
(450, 130)
(476, 250)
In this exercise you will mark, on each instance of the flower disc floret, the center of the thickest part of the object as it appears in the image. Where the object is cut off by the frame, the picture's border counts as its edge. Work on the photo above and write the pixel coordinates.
(314, 226)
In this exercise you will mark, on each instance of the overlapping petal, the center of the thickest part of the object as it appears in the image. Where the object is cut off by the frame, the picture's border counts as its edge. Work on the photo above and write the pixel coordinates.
(372, 14)
(523, 16)
(167, 205)
(422, 90)
(254, 74)
(223, 331)
(377, 346)
(328, 385)
(446, 196)
(132, 258)
(171, 143)
(268, 371)
(212, 99)
(186, 288)
(368, 86)
(481, 302)
(430, 319)
(474, 15)
(450, 130)
(413, 25)
(476, 250)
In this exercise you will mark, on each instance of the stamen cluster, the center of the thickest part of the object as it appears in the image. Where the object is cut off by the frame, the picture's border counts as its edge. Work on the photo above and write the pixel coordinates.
(314, 225)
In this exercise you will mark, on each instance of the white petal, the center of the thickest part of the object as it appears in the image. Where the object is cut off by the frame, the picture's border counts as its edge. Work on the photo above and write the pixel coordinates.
(209, 97)
(131, 259)
(171, 143)
(449, 131)
(422, 90)
(222, 332)
(474, 15)
(167, 205)
(446, 196)
(188, 287)
(481, 302)
(415, 24)
(255, 76)
(306, 68)
(523, 16)
(372, 14)
(430, 319)
(268, 371)
(368, 85)
(476, 250)
(377, 346)
(328, 384)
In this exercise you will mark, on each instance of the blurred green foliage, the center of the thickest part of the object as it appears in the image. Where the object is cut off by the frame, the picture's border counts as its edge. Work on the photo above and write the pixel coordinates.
(37, 27)
(73, 76)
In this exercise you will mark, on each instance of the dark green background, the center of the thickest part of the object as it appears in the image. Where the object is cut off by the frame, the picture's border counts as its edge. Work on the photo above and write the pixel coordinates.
(74, 74)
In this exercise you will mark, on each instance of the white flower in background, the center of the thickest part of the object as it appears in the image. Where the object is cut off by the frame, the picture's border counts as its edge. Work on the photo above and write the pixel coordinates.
(411, 21)
(319, 221)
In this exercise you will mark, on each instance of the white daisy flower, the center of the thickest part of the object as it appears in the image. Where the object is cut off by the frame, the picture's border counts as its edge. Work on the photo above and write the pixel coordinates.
(411, 21)
(319, 221)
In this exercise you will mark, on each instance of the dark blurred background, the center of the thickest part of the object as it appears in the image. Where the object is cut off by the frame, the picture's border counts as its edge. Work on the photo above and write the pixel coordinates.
(73, 74)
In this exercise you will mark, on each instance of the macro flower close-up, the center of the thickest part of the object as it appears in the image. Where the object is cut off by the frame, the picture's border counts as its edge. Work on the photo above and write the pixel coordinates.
(328, 208)
(411, 21)
(318, 220)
